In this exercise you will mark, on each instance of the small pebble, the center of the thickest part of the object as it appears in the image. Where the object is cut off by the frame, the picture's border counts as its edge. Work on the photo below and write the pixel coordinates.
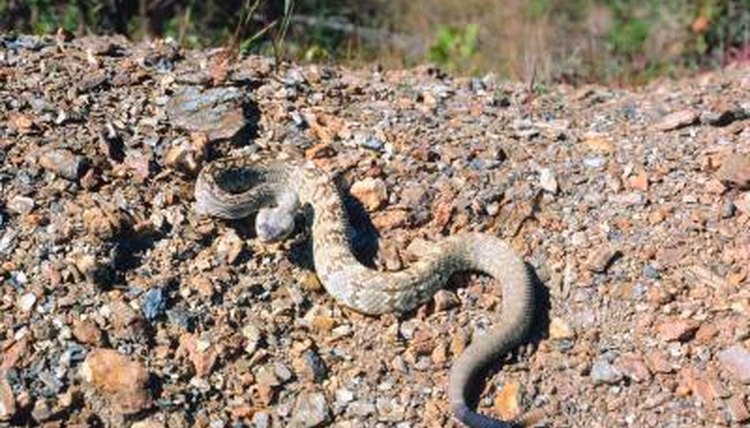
(736, 359)
(371, 192)
(63, 163)
(20, 205)
(122, 380)
(154, 303)
(310, 410)
(602, 372)
(26, 302)
(547, 180)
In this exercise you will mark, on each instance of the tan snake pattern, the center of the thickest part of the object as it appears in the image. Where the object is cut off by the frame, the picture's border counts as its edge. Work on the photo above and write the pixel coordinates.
(235, 188)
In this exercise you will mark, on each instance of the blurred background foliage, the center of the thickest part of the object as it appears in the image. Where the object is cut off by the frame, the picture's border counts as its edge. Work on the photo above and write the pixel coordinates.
(610, 41)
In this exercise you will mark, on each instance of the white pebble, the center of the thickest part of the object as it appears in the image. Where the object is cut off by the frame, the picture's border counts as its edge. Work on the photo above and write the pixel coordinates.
(26, 302)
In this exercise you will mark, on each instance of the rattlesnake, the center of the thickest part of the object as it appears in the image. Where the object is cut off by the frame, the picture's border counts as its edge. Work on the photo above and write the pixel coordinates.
(235, 188)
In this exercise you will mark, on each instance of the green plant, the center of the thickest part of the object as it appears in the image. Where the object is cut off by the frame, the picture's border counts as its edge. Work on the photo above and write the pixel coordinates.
(629, 36)
(455, 46)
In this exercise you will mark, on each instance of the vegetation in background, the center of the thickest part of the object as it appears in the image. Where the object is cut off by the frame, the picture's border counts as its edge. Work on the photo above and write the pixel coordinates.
(571, 40)
(454, 46)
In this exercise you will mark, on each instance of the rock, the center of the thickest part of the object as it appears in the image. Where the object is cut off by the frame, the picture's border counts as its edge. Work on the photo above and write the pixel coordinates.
(26, 302)
(735, 171)
(310, 281)
(390, 219)
(154, 303)
(185, 156)
(600, 258)
(677, 120)
(320, 151)
(742, 203)
(633, 366)
(602, 372)
(736, 359)
(639, 182)
(148, 423)
(323, 322)
(126, 321)
(559, 329)
(547, 180)
(445, 300)
(658, 363)
(217, 112)
(362, 408)
(261, 420)
(677, 330)
(253, 336)
(601, 144)
(123, 381)
(389, 410)
(311, 410)
(344, 396)
(20, 205)
(201, 353)
(371, 192)
(63, 163)
(229, 246)
(508, 401)
(87, 332)
(21, 122)
(738, 409)
(7, 400)
(439, 355)
(313, 367)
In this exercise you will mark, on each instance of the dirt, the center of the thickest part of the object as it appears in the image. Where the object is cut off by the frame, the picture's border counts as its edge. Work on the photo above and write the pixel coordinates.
(119, 305)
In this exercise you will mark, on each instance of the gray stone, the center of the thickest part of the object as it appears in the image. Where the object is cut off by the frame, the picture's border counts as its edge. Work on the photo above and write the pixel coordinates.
(736, 359)
(218, 112)
(602, 372)
(311, 410)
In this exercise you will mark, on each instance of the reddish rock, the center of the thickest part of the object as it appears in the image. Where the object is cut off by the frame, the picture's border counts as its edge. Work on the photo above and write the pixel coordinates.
(508, 401)
(320, 151)
(87, 332)
(600, 144)
(679, 330)
(371, 192)
(639, 182)
(677, 120)
(202, 354)
(633, 366)
(706, 333)
(601, 257)
(7, 400)
(123, 381)
(13, 354)
(658, 363)
(735, 171)
(738, 409)
(390, 219)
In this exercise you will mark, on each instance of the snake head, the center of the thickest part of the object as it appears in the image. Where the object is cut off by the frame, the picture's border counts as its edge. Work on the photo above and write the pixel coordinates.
(274, 224)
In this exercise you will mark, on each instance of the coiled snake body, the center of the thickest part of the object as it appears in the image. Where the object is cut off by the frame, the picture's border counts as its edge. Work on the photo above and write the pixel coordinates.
(235, 188)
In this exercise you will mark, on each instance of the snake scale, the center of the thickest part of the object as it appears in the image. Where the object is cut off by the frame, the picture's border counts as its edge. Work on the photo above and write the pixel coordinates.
(237, 187)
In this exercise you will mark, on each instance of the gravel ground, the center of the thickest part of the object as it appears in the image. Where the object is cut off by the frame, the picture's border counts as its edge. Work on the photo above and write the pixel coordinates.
(120, 306)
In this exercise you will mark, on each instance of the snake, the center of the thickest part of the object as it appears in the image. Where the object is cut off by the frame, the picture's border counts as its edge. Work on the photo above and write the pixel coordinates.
(237, 187)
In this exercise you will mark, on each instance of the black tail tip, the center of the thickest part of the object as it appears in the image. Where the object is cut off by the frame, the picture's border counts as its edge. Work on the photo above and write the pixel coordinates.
(474, 420)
